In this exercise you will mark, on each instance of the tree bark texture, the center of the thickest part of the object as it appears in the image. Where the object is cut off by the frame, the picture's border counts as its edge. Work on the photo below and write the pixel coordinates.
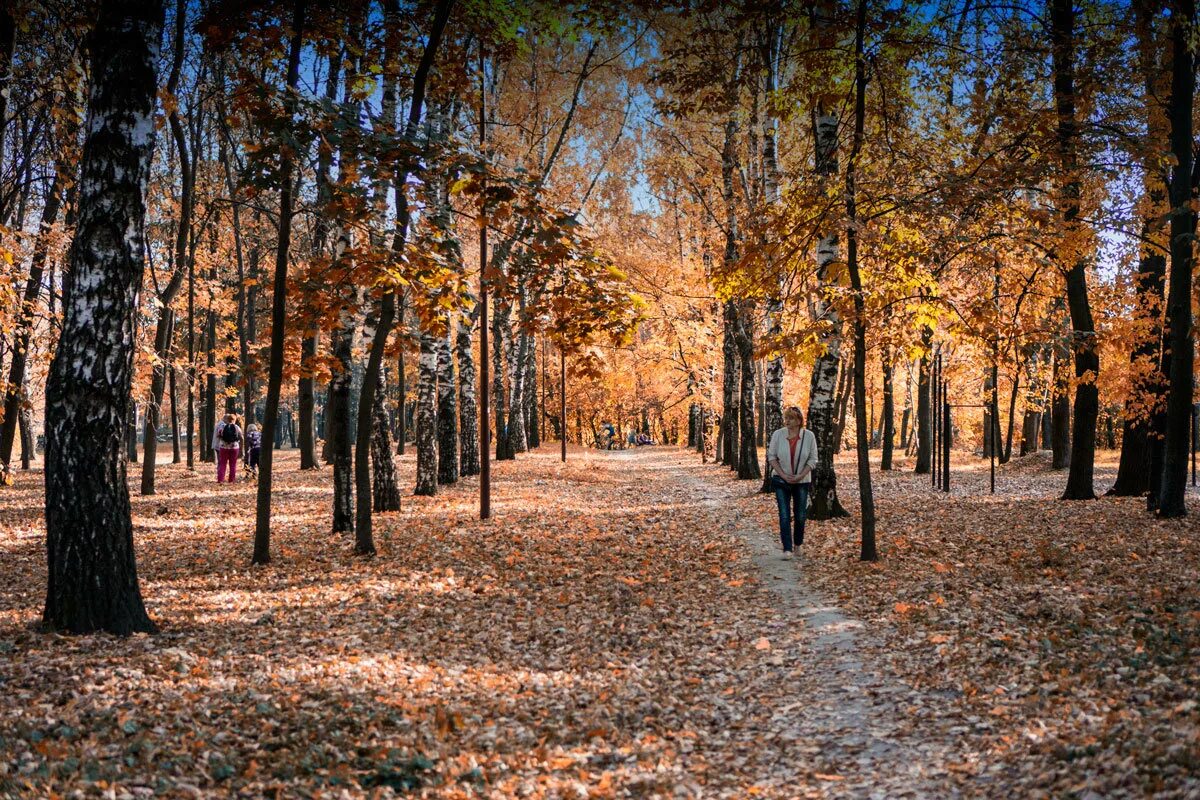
(92, 573)
(468, 407)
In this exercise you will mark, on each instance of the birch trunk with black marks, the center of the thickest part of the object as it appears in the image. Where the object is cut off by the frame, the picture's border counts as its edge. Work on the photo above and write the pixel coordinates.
(822, 417)
(468, 407)
(532, 429)
(772, 410)
(92, 582)
(447, 410)
(427, 446)
(500, 328)
(385, 488)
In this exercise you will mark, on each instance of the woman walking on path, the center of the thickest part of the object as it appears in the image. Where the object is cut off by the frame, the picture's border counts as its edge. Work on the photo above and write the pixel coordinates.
(227, 441)
(792, 454)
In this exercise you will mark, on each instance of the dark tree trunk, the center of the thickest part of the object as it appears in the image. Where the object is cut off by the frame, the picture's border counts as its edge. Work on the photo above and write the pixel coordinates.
(92, 572)
(1146, 399)
(1029, 432)
(1060, 412)
(25, 319)
(176, 455)
(131, 434)
(889, 413)
(747, 468)
(262, 522)
(924, 407)
(1006, 453)
(1179, 344)
(1087, 360)
(865, 492)
(727, 453)
(306, 401)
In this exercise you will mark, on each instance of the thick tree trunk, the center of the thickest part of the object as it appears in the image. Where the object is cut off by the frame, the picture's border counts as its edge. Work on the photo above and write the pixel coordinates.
(92, 573)
(384, 484)
(468, 409)
(427, 418)
(517, 440)
(1179, 342)
(447, 410)
(1087, 360)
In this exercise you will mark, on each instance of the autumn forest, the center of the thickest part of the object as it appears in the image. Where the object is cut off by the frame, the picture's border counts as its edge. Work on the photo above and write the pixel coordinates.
(505, 398)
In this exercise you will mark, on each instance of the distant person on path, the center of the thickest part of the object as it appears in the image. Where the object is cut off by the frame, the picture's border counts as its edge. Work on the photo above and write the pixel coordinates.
(792, 454)
(227, 442)
(253, 449)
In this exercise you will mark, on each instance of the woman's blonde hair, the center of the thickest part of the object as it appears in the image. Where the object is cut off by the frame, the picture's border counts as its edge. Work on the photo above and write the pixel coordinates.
(231, 419)
(252, 427)
(793, 411)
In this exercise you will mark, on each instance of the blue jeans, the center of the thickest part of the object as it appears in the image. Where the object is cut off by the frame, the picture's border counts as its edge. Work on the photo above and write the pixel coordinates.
(789, 496)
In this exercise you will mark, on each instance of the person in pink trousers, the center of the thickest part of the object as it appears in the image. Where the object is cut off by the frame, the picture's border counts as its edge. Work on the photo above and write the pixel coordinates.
(227, 442)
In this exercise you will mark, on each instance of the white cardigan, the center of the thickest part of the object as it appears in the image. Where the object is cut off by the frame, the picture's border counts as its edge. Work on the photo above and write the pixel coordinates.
(806, 453)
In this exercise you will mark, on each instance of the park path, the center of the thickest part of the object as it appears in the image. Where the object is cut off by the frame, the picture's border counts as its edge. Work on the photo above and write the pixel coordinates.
(849, 719)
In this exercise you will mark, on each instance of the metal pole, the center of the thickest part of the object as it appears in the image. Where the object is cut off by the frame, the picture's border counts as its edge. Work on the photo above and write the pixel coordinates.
(485, 415)
(1194, 431)
(947, 434)
(935, 416)
(562, 391)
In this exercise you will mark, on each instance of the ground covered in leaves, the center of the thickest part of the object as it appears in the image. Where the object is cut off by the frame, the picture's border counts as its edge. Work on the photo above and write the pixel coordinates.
(617, 631)
(1065, 636)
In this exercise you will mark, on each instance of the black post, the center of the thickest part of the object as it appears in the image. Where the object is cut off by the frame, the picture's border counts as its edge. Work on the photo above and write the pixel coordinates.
(947, 434)
(485, 464)
(935, 415)
(562, 391)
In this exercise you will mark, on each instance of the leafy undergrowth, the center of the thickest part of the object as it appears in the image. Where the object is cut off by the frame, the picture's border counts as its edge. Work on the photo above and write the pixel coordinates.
(1068, 633)
(602, 638)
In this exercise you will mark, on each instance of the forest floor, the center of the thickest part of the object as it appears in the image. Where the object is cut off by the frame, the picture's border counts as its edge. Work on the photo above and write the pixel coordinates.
(622, 628)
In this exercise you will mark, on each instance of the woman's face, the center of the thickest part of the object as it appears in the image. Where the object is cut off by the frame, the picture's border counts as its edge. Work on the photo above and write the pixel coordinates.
(793, 418)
